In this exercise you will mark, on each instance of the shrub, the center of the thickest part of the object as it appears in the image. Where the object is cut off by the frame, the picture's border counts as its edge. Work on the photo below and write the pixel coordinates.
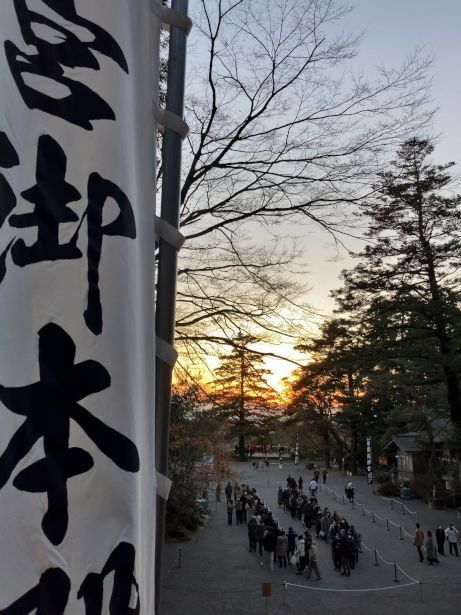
(389, 489)
(382, 476)
(421, 486)
(183, 515)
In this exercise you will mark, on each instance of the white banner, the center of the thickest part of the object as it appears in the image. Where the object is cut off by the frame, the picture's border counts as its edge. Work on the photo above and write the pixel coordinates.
(77, 162)
(369, 461)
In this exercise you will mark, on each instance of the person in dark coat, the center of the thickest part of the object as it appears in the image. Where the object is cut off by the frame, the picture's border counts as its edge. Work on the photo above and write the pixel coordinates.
(308, 511)
(345, 554)
(431, 551)
(291, 535)
(336, 551)
(243, 499)
(238, 511)
(228, 491)
(252, 527)
(270, 543)
(260, 535)
(280, 496)
(318, 526)
(440, 538)
(230, 511)
(300, 483)
(293, 507)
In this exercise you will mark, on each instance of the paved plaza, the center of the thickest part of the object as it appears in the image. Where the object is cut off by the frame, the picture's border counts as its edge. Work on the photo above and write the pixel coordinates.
(215, 573)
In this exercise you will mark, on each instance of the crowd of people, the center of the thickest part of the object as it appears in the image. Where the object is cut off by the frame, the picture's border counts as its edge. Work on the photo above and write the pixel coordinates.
(436, 547)
(299, 550)
(269, 539)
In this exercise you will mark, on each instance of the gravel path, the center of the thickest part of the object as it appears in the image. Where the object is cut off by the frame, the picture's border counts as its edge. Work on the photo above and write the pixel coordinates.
(219, 575)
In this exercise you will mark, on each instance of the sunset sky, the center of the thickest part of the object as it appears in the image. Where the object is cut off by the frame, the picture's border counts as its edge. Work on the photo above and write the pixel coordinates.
(392, 30)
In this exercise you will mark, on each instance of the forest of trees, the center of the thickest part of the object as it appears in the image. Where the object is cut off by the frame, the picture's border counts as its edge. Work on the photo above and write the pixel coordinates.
(389, 359)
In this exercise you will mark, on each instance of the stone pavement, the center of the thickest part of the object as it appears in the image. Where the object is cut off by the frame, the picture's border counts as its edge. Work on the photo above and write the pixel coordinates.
(218, 574)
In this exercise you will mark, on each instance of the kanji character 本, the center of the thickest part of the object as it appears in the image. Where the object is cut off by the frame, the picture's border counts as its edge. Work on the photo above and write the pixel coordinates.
(49, 596)
(50, 195)
(48, 406)
(58, 46)
(121, 562)
(8, 159)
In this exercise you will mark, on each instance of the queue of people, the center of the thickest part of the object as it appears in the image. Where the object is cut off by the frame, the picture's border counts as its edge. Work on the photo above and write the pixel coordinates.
(435, 547)
(275, 546)
(327, 526)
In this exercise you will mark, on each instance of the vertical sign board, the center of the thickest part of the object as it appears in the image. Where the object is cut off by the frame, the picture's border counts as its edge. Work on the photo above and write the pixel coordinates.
(76, 306)
(369, 461)
(297, 449)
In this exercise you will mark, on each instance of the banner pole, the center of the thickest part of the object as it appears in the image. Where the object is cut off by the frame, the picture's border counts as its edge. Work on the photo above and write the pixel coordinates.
(167, 271)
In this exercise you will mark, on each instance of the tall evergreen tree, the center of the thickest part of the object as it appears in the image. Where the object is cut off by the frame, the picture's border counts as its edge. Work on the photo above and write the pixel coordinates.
(407, 280)
(246, 400)
(334, 384)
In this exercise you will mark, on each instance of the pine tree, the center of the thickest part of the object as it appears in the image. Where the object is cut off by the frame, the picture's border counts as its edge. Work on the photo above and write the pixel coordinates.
(407, 280)
(334, 385)
(245, 398)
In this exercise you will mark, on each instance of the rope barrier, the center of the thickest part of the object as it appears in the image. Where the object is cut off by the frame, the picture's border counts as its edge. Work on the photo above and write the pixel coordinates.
(376, 555)
(395, 564)
(368, 589)
(406, 533)
(407, 575)
(384, 560)
(404, 507)
(380, 518)
(375, 516)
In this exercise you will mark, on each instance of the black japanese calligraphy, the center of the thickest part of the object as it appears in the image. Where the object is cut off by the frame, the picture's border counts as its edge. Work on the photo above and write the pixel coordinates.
(50, 195)
(50, 596)
(48, 406)
(121, 562)
(8, 159)
(99, 191)
(79, 104)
